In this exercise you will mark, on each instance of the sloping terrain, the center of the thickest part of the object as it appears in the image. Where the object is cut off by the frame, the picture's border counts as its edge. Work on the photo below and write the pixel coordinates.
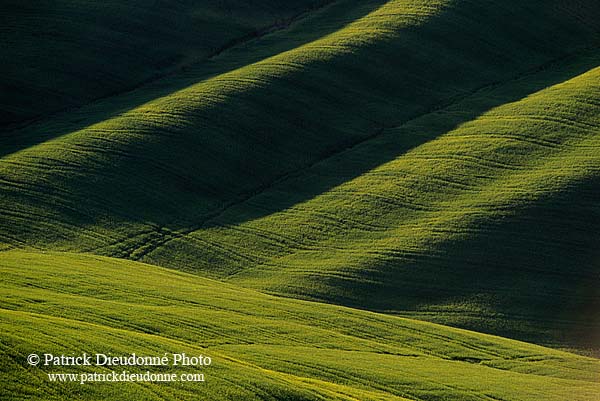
(493, 225)
(431, 158)
(61, 54)
(262, 347)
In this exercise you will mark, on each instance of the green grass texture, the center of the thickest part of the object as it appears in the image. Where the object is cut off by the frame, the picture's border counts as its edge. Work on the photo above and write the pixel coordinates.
(262, 347)
(60, 54)
(433, 159)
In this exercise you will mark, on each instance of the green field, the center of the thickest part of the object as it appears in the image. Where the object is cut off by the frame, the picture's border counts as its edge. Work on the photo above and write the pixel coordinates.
(63, 54)
(325, 195)
(263, 347)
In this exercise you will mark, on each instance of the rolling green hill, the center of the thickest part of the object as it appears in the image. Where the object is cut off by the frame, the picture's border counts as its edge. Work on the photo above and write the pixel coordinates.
(492, 225)
(331, 199)
(62, 54)
(437, 159)
(262, 347)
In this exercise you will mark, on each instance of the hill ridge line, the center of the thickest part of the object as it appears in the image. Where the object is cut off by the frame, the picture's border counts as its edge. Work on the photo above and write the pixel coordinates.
(140, 252)
(374, 315)
(273, 344)
(388, 317)
(232, 44)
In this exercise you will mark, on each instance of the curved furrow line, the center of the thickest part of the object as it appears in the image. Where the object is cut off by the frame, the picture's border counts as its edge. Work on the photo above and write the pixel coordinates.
(204, 31)
(518, 183)
(221, 135)
(269, 165)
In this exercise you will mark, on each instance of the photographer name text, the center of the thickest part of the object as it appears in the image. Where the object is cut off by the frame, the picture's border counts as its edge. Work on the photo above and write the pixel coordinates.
(84, 359)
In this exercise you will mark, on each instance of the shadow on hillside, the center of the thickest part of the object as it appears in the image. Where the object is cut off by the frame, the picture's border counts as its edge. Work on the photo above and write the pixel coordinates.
(447, 81)
(178, 181)
(14, 139)
(534, 274)
(388, 143)
(61, 56)
(234, 151)
(531, 275)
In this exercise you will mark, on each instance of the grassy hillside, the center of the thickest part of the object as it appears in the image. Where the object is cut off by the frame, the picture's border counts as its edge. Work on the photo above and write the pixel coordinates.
(262, 347)
(435, 158)
(492, 225)
(61, 54)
